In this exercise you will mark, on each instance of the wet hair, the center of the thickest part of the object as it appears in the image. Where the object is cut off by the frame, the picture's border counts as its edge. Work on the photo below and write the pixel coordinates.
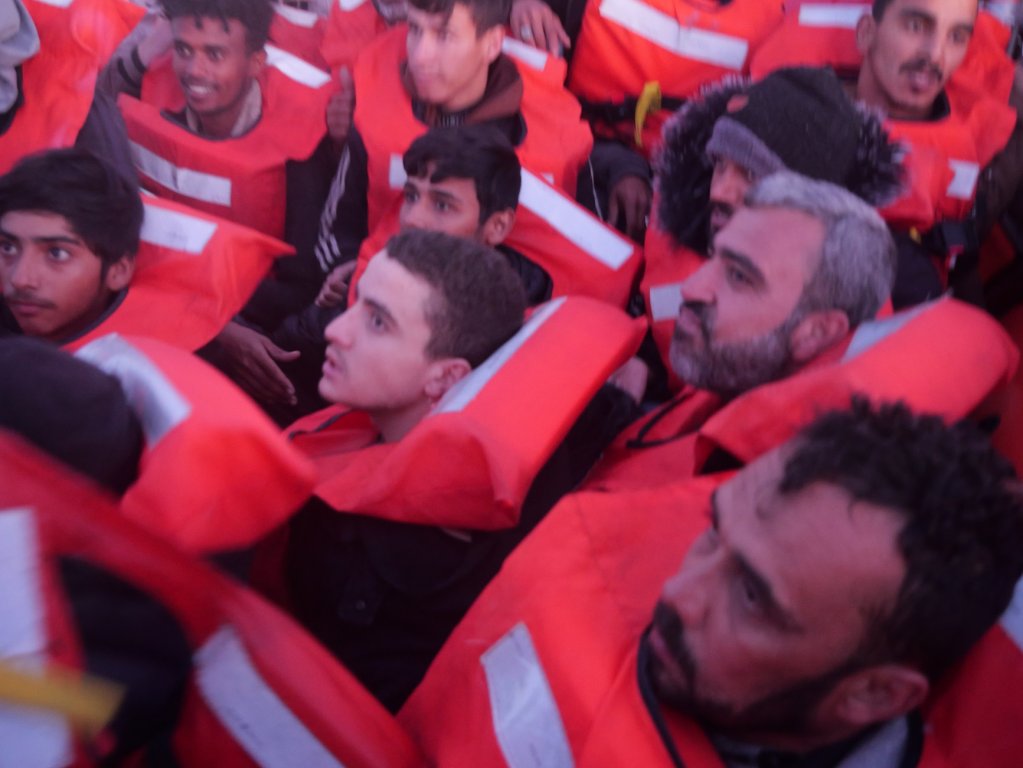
(477, 152)
(857, 266)
(486, 14)
(878, 8)
(102, 207)
(962, 511)
(478, 301)
(254, 15)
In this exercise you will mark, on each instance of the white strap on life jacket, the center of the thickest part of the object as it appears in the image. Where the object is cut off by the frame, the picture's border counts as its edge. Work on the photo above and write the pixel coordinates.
(175, 229)
(1012, 619)
(396, 176)
(873, 331)
(30, 738)
(56, 3)
(466, 389)
(251, 710)
(349, 5)
(189, 182)
(838, 15)
(297, 16)
(964, 179)
(573, 222)
(295, 68)
(665, 301)
(153, 397)
(524, 54)
(660, 29)
(525, 715)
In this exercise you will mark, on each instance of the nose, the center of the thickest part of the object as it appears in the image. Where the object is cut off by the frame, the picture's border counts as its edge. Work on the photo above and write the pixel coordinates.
(699, 287)
(413, 214)
(728, 185)
(23, 273)
(339, 331)
(689, 591)
(420, 49)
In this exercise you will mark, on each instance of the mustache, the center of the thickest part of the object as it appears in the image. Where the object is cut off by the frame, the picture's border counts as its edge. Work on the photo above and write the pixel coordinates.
(923, 64)
(669, 625)
(27, 297)
(702, 313)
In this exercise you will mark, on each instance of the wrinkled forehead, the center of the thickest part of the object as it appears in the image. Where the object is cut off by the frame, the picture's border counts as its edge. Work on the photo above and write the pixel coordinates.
(784, 244)
(947, 11)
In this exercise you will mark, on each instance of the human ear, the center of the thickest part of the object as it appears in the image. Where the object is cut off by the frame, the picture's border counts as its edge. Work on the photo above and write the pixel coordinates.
(498, 226)
(257, 61)
(118, 275)
(879, 693)
(866, 28)
(444, 374)
(492, 40)
(817, 332)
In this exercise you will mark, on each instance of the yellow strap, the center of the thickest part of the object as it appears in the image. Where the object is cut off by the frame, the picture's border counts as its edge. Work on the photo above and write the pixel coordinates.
(649, 101)
(88, 702)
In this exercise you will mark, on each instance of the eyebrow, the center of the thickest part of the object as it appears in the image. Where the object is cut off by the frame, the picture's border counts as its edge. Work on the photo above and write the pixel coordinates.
(778, 614)
(742, 260)
(64, 239)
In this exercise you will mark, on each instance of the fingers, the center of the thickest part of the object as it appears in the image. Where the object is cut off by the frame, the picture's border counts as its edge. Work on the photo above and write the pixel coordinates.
(340, 107)
(335, 288)
(534, 23)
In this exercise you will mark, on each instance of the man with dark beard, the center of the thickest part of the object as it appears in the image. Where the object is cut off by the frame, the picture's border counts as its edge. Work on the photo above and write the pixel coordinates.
(822, 594)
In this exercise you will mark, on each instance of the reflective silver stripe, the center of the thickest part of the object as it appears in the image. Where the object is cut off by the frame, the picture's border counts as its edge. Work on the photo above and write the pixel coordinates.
(665, 301)
(574, 223)
(296, 16)
(526, 54)
(964, 179)
(349, 5)
(251, 710)
(873, 331)
(396, 176)
(839, 15)
(174, 229)
(57, 3)
(185, 181)
(526, 720)
(663, 30)
(28, 738)
(298, 70)
(158, 404)
(466, 389)
(1012, 619)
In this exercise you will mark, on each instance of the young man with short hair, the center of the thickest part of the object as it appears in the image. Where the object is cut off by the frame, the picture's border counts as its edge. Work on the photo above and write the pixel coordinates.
(69, 230)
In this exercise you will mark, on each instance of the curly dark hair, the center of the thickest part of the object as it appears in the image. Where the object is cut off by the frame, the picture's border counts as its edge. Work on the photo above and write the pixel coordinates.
(963, 510)
(254, 15)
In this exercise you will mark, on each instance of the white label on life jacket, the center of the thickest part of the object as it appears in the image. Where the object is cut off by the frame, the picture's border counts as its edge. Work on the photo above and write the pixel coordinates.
(185, 181)
(30, 738)
(56, 3)
(573, 222)
(665, 301)
(155, 400)
(297, 16)
(527, 54)
(964, 179)
(839, 15)
(663, 30)
(175, 229)
(870, 333)
(1012, 619)
(527, 722)
(298, 70)
(349, 5)
(396, 176)
(466, 389)
(251, 710)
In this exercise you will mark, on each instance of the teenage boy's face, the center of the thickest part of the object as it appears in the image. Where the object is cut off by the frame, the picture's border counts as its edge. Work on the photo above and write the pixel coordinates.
(447, 60)
(214, 66)
(448, 206)
(52, 283)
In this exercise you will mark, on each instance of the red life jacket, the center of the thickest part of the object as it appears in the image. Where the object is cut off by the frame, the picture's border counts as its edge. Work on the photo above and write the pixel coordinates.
(240, 179)
(470, 462)
(890, 359)
(1007, 403)
(193, 273)
(215, 474)
(76, 37)
(351, 25)
(545, 662)
(300, 33)
(582, 255)
(261, 692)
(556, 145)
(680, 45)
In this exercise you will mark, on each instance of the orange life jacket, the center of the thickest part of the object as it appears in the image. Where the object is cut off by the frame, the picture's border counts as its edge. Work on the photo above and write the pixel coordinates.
(582, 255)
(677, 45)
(261, 692)
(240, 179)
(470, 462)
(76, 37)
(545, 661)
(193, 273)
(556, 145)
(299, 33)
(890, 359)
(351, 25)
(215, 474)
